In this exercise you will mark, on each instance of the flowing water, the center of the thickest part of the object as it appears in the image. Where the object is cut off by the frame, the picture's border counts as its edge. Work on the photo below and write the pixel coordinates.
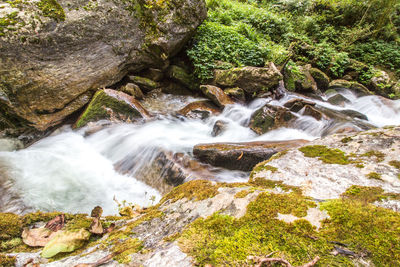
(73, 172)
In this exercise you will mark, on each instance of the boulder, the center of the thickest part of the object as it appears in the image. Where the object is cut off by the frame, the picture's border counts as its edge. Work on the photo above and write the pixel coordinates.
(217, 95)
(199, 110)
(112, 105)
(219, 128)
(313, 112)
(236, 93)
(296, 104)
(299, 79)
(181, 76)
(241, 156)
(53, 53)
(320, 78)
(146, 84)
(176, 89)
(355, 86)
(132, 90)
(381, 83)
(338, 100)
(253, 80)
(153, 74)
(269, 117)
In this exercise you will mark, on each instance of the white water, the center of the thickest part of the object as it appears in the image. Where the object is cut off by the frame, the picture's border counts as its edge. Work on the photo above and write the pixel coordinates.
(72, 173)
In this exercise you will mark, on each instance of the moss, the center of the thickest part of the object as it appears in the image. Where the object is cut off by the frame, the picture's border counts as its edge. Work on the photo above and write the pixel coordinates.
(10, 244)
(242, 194)
(346, 140)
(51, 9)
(172, 238)
(8, 22)
(197, 190)
(379, 156)
(368, 194)
(374, 175)
(325, 154)
(10, 226)
(270, 184)
(359, 165)
(79, 222)
(7, 261)
(395, 163)
(126, 244)
(365, 228)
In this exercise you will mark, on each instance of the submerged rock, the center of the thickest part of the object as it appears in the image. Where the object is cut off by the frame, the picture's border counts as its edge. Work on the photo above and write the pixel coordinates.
(296, 104)
(219, 128)
(252, 80)
(241, 156)
(112, 105)
(355, 86)
(199, 110)
(338, 100)
(57, 51)
(217, 95)
(269, 117)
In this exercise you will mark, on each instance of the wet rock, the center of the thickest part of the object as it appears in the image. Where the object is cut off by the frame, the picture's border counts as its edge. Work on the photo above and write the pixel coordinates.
(133, 90)
(180, 75)
(296, 104)
(176, 89)
(320, 78)
(217, 95)
(299, 79)
(112, 105)
(381, 83)
(146, 84)
(338, 100)
(313, 112)
(52, 62)
(241, 156)
(252, 80)
(236, 93)
(219, 128)
(355, 86)
(269, 117)
(199, 110)
(354, 114)
(153, 74)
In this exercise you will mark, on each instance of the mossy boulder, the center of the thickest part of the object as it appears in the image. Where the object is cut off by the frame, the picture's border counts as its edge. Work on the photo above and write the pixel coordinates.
(217, 95)
(145, 83)
(299, 79)
(269, 117)
(53, 53)
(252, 80)
(381, 83)
(320, 78)
(355, 86)
(236, 93)
(112, 105)
(181, 76)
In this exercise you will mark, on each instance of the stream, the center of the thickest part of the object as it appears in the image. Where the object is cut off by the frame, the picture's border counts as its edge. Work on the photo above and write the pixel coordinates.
(73, 171)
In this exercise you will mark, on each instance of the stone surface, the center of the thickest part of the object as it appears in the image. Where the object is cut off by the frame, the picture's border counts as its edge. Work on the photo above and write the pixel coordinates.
(133, 90)
(326, 181)
(112, 105)
(355, 86)
(241, 156)
(338, 100)
(269, 117)
(320, 78)
(51, 61)
(145, 83)
(296, 104)
(236, 93)
(299, 79)
(252, 80)
(381, 83)
(219, 128)
(199, 110)
(216, 95)
(181, 76)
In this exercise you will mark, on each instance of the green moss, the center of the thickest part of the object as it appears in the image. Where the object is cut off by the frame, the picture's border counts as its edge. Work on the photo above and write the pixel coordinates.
(78, 222)
(325, 154)
(10, 226)
(395, 163)
(10, 244)
(8, 22)
(379, 156)
(242, 194)
(126, 244)
(368, 194)
(7, 261)
(197, 190)
(346, 140)
(172, 238)
(374, 175)
(270, 184)
(51, 9)
(359, 165)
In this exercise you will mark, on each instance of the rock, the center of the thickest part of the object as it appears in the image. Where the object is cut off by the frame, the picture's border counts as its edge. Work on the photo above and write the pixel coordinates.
(153, 74)
(216, 95)
(296, 104)
(10, 144)
(54, 56)
(180, 75)
(396, 91)
(355, 86)
(338, 100)
(132, 90)
(65, 241)
(316, 114)
(299, 79)
(320, 78)
(269, 117)
(381, 83)
(219, 128)
(146, 84)
(199, 110)
(176, 89)
(111, 104)
(354, 114)
(236, 93)
(252, 80)
(241, 156)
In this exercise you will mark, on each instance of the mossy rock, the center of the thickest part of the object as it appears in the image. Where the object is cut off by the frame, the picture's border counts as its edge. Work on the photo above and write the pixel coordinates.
(107, 103)
(10, 226)
(320, 78)
(145, 83)
(269, 117)
(181, 76)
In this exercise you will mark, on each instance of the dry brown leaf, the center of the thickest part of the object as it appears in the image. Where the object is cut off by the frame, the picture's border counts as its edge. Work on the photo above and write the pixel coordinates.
(96, 227)
(96, 212)
(37, 237)
(56, 224)
(109, 229)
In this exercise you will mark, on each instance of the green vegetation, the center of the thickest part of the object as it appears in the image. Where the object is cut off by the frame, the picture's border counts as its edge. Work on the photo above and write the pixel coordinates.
(374, 175)
(367, 194)
(325, 154)
(395, 163)
(51, 9)
(329, 34)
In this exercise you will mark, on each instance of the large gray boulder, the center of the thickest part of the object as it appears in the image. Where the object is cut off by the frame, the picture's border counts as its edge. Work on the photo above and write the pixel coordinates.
(52, 54)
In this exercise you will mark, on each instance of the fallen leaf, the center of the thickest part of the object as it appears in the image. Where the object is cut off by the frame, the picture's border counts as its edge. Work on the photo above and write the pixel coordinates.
(96, 227)
(240, 157)
(37, 237)
(109, 229)
(56, 224)
(65, 241)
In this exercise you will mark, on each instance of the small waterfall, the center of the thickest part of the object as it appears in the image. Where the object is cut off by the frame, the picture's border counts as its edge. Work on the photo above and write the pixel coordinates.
(73, 172)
